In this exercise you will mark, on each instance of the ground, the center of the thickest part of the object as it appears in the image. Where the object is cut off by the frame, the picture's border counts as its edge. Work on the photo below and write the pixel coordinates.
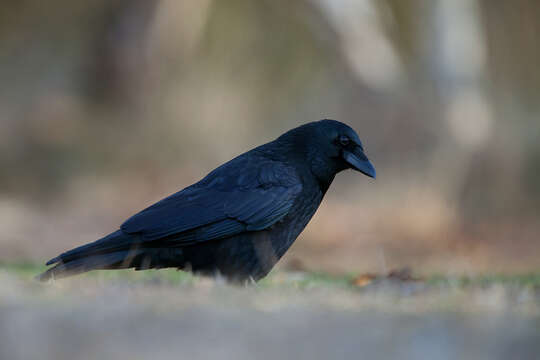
(169, 314)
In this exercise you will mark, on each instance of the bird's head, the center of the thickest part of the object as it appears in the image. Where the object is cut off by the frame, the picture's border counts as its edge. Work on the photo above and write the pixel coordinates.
(330, 147)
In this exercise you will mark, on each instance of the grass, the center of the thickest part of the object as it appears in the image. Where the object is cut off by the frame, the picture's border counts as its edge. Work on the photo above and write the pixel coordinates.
(167, 313)
(27, 271)
(280, 279)
(525, 280)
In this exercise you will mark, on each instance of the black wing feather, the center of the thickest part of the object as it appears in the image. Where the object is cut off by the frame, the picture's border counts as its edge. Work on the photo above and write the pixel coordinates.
(219, 206)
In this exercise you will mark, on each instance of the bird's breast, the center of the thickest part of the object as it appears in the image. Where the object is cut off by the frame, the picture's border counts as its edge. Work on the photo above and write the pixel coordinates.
(285, 232)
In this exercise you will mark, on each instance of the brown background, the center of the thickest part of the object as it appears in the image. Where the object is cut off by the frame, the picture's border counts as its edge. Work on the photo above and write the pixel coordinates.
(108, 106)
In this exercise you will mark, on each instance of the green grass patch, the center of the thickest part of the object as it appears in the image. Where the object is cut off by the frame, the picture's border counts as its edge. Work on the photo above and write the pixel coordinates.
(296, 280)
(525, 280)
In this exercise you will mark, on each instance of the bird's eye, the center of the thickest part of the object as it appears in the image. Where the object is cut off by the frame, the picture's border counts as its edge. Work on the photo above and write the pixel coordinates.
(344, 140)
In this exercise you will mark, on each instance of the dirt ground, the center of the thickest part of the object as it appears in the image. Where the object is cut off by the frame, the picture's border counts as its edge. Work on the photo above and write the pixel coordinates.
(287, 317)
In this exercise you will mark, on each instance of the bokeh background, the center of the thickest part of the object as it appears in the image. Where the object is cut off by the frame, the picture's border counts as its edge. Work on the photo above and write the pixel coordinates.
(108, 106)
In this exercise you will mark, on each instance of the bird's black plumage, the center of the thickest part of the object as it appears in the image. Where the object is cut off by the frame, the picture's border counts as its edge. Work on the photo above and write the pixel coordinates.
(237, 221)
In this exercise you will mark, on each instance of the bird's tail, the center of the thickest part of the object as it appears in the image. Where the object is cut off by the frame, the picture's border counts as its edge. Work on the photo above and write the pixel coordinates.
(115, 260)
(117, 250)
(114, 251)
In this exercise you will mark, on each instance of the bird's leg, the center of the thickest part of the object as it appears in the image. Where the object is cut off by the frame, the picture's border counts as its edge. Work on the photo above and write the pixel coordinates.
(250, 282)
(219, 278)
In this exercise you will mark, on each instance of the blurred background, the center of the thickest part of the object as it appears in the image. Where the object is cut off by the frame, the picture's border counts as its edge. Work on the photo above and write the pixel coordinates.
(108, 106)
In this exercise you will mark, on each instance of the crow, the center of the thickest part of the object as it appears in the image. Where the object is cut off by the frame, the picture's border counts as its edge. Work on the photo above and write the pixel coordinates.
(236, 222)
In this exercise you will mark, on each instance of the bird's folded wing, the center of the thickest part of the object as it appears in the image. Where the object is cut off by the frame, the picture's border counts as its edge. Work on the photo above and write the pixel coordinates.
(205, 212)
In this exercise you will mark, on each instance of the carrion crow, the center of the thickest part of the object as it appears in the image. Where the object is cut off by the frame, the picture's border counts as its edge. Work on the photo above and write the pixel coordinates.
(240, 219)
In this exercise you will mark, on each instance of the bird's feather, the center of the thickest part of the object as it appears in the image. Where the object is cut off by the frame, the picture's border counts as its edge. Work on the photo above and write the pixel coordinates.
(239, 220)
(220, 205)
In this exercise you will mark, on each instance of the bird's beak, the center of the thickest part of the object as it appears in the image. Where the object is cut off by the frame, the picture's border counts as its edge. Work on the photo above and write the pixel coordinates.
(359, 162)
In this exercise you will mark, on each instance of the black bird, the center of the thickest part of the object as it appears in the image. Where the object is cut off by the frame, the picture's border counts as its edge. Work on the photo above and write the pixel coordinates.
(237, 221)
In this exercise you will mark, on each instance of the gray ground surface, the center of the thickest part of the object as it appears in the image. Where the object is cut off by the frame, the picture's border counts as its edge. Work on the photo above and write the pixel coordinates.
(96, 318)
